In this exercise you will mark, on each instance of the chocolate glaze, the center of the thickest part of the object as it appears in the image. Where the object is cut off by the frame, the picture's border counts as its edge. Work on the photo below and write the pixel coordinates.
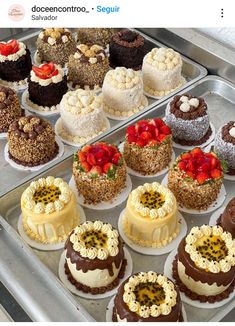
(193, 113)
(225, 133)
(227, 219)
(194, 142)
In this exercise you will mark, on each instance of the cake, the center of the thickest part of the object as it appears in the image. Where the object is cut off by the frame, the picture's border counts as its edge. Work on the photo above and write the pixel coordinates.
(204, 268)
(10, 108)
(46, 86)
(122, 92)
(15, 63)
(56, 45)
(82, 116)
(227, 218)
(196, 179)
(95, 259)
(147, 297)
(151, 216)
(88, 66)
(188, 118)
(224, 145)
(162, 71)
(31, 141)
(127, 49)
(100, 36)
(49, 210)
(99, 172)
(148, 146)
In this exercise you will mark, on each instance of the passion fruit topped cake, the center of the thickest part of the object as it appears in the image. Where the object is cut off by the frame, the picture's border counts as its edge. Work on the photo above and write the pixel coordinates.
(227, 218)
(148, 146)
(204, 267)
(147, 297)
(99, 172)
(95, 259)
(196, 178)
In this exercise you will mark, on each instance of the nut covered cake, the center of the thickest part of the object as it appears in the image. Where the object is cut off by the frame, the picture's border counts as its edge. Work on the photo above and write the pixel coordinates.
(204, 268)
(100, 36)
(49, 210)
(95, 260)
(227, 218)
(147, 297)
(150, 218)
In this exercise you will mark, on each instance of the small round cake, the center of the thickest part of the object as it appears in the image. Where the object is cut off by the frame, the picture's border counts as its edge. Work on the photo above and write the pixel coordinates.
(127, 49)
(196, 178)
(225, 145)
(162, 71)
(150, 218)
(99, 172)
(82, 116)
(88, 66)
(15, 63)
(188, 118)
(148, 146)
(147, 297)
(227, 218)
(100, 36)
(49, 210)
(47, 85)
(56, 45)
(31, 141)
(204, 268)
(95, 260)
(10, 108)
(122, 92)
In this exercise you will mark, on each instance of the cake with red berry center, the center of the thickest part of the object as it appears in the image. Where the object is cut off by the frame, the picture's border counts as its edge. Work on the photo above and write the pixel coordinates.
(188, 118)
(225, 145)
(100, 36)
(148, 146)
(227, 218)
(47, 85)
(99, 172)
(204, 267)
(147, 297)
(15, 63)
(196, 178)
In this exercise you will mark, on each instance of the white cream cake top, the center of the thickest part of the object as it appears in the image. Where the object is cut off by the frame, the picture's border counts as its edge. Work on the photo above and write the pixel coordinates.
(163, 58)
(14, 56)
(123, 78)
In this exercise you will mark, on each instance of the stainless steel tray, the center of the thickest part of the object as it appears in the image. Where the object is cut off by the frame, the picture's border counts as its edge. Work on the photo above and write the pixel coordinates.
(10, 177)
(220, 96)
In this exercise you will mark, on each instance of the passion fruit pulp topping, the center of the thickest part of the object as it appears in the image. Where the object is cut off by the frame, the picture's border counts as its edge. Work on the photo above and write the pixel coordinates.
(46, 194)
(95, 239)
(152, 199)
(149, 294)
(212, 248)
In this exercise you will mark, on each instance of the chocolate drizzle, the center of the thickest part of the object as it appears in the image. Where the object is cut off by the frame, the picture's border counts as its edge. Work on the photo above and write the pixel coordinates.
(225, 132)
(193, 113)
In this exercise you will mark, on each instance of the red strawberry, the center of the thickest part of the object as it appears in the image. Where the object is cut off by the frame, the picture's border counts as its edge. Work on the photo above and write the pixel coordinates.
(150, 128)
(202, 177)
(153, 142)
(107, 167)
(116, 158)
(165, 130)
(86, 148)
(102, 160)
(131, 138)
(131, 130)
(182, 165)
(161, 137)
(91, 159)
(196, 152)
(190, 174)
(95, 171)
(214, 162)
(191, 165)
(205, 167)
(185, 156)
(141, 142)
(100, 153)
(145, 135)
(86, 167)
(156, 133)
(215, 173)
(82, 157)
(159, 123)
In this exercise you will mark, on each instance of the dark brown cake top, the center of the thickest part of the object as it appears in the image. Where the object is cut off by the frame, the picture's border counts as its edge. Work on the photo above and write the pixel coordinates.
(7, 96)
(128, 39)
(228, 132)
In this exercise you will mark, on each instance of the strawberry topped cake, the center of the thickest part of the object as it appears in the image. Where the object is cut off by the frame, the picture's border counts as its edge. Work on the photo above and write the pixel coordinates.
(196, 178)
(15, 62)
(148, 146)
(99, 172)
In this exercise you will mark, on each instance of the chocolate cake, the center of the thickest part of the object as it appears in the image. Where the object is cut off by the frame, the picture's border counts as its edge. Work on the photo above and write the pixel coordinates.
(10, 108)
(100, 36)
(225, 145)
(127, 49)
(147, 297)
(95, 260)
(31, 141)
(188, 118)
(227, 219)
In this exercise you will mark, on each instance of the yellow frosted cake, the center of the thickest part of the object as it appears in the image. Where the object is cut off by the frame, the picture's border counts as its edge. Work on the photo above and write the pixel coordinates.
(49, 210)
(150, 218)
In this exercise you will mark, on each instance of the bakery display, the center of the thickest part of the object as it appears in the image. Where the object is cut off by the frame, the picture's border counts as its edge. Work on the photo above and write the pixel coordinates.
(122, 92)
(100, 36)
(224, 145)
(162, 71)
(15, 63)
(147, 297)
(196, 179)
(151, 216)
(10, 108)
(56, 45)
(148, 146)
(46, 86)
(99, 172)
(227, 218)
(37, 139)
(49, 210)
(95, 260)
(204, 268)
(82, 116)
(88, 66)
(188, 118)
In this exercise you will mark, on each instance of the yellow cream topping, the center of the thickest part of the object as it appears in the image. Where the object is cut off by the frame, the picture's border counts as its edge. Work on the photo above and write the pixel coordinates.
(46, 194)
(152, 199)
(212, 248)
(95, 239)
(148, 294)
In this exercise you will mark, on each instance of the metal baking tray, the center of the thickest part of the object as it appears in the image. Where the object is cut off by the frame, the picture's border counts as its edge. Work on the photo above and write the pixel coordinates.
(220, 97)
(10, 177)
